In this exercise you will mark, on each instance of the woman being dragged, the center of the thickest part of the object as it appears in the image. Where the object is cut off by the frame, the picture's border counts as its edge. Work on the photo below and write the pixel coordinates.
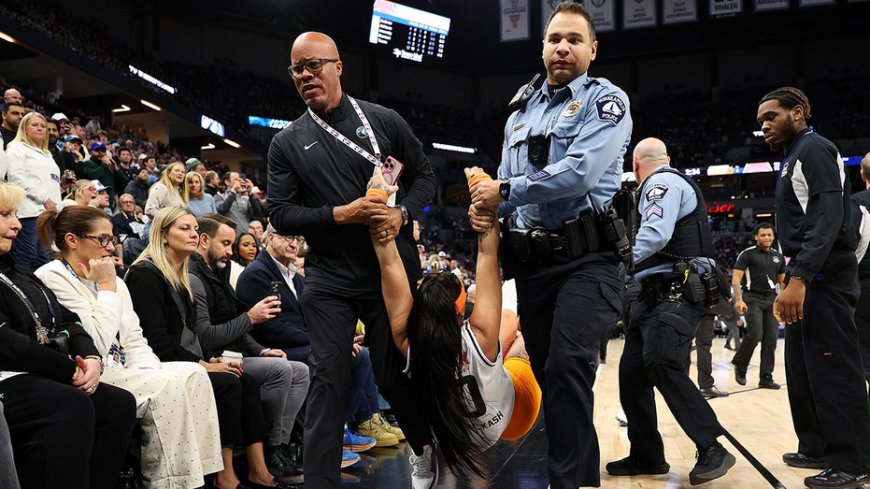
(472, 396)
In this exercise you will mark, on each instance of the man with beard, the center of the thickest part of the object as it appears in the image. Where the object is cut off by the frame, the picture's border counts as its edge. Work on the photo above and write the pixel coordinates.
(13, 112)
(826, 389)
(560, 170)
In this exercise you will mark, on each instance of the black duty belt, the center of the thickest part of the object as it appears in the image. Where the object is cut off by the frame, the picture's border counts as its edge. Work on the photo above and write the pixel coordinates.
(661, 288)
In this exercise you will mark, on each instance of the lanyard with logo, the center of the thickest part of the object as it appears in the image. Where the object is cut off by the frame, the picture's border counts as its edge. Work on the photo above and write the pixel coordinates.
(373, 159)
(116, 355)
(42, 333)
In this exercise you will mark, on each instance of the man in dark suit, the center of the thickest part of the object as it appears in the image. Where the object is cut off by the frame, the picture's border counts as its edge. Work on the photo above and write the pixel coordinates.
(287, 330)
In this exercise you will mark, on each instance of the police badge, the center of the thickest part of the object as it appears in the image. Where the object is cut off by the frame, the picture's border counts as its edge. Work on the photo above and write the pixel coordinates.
(572, 109)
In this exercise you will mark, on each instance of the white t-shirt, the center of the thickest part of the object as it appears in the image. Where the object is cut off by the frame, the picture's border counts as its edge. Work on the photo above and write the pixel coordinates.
(493, 382)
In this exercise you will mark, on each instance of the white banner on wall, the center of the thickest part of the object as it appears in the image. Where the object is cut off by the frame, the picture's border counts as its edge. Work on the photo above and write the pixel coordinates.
(676, 11)
(768, 5)
(514, 20)
(638, 13)
(725, 7)
(603, 14)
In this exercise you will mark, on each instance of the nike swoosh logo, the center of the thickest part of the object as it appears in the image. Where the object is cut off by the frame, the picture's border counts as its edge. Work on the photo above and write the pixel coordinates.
(310, 145)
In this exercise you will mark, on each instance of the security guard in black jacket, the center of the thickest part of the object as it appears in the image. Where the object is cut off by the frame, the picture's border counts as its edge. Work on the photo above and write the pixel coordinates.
(673, 263)
(861, 221)
(318, 169)
(826, 388)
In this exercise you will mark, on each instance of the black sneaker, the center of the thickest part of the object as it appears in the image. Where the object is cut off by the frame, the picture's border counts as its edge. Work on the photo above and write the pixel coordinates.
(713, 392)
(279, 465)
(767, 382)
(835, 479)
(713, 462)
(631, 466)
(802, 461)
(740, 376)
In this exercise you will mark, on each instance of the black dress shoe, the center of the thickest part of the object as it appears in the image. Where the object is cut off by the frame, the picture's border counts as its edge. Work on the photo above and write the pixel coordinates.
(630, 466)
(767, 382)
(835, 479)
(802, 461)
(714, 392)
(740, 376)
(713, 462)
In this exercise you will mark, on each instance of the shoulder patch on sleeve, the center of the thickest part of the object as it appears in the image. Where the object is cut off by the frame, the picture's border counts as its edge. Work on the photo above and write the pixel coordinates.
(656, 192)
(610, 108)
(534, 177)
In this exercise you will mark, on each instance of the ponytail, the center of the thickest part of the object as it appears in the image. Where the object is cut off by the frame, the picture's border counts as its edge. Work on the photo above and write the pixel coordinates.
(53, 226)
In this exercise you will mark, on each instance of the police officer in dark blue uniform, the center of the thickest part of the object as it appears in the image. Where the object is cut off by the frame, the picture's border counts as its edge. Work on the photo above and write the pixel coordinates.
(673, 263)
(826, 389)
(560, 169)
(861, 221)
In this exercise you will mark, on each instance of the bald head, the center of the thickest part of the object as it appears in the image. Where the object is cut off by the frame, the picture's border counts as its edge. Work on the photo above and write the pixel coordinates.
(648, 155)
(318, 71)
(12, 95)
(865, 169)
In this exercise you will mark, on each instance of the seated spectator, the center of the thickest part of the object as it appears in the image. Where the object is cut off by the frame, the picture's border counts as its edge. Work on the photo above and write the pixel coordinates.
(168, 192)
(193, 164)
(8, 479)
(236, 202)
(212, 180)
(12, 113)
(125, 167)
(180, 442)
(199, 202)
(32, 168)
(255, 227)
(69, 430)
(83, 192)
(129, 229)
(245, 250)
(104, 199)
(12, 95)
(151, 166)
(162, 297)
(138, 187)
(224, 323)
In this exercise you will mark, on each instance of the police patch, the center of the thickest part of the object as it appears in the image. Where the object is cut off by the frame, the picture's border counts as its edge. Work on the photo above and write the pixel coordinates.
(361, 132)
(656, 192)
(610, 108)
(534, 177)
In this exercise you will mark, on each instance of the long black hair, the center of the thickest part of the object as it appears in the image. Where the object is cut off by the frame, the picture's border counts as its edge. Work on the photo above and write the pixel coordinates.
(435, 340)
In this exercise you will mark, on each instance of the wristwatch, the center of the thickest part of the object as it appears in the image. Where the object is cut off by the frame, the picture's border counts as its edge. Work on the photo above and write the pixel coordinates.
(98, 359)
(504, 189)
(405, 216)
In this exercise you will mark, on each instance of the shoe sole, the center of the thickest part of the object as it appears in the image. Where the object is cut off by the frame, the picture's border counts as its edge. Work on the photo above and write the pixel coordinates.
(659, 470)
(806, 465)
(349, 463)
(858, 484)
(359, 448)
(768, 387)
(727, 463)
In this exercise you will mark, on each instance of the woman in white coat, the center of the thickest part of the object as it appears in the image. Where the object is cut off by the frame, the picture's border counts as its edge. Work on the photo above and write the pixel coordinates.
(32, 168)
(175, 403)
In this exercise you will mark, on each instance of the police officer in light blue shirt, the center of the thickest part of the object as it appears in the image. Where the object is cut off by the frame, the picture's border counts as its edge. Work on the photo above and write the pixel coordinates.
(672, 255)
(560, 168)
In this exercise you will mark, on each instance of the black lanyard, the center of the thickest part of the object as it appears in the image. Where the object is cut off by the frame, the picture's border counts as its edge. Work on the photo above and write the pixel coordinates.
(42, 333)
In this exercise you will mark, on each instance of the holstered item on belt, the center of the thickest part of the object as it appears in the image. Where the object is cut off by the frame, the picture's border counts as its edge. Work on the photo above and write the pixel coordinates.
(661, 288)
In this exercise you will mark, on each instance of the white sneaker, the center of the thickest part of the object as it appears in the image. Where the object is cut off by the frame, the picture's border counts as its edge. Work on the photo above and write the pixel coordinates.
(424, 474)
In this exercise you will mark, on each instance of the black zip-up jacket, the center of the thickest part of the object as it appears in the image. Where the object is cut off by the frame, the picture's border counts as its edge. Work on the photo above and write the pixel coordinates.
(861, 223)
(19, 350)
(812, 204)
(310, 172)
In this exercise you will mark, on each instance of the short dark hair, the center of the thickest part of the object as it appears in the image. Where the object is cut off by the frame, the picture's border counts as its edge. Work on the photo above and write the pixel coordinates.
(789, 97)
(8, 105)
(225, 176)
(222, 219)
(210, 226)
(572, 7)
(51, 121)
(763, 225)
(124, 148)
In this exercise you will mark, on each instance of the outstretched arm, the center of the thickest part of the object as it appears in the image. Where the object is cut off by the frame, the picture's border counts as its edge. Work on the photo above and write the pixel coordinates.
(485, 321)
(394, 280)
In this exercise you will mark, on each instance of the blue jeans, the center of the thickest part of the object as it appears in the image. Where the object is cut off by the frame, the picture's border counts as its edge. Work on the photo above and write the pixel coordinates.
(363, 401)
(26, 250)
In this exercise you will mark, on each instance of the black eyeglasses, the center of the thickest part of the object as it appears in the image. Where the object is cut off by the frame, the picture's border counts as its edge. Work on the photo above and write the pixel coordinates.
(103, 240)
(314, 66)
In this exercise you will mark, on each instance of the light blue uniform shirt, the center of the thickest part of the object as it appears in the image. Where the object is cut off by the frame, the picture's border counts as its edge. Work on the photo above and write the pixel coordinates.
(589, 126)
(665, 198)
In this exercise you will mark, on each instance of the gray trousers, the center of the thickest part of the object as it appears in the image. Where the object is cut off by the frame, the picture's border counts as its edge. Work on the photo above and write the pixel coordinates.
(762, 327)
(8, 479)
(283, 387)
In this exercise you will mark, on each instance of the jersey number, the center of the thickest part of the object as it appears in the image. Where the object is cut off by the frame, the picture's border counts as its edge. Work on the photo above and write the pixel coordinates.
(474, 394)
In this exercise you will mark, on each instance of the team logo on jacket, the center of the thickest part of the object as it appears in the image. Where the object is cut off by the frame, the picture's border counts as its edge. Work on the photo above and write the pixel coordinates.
(610, 108)
(361, 132)
(572, 109)
(776, 259)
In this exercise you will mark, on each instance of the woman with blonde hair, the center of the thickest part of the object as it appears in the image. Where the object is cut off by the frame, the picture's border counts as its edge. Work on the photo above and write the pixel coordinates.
(168, 191)
(175, 405)
(199, 202)
(83, 192)
(68, 428)
(163, 299)
(32, 168)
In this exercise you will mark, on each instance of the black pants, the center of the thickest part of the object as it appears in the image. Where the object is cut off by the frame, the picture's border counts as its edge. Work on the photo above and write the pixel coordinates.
(657, 344)
(64, 438)
(760, 326)
(240, 412)
(862, 321)
(331, 319)
(826, 388)
(565, 306)
(703, 344)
